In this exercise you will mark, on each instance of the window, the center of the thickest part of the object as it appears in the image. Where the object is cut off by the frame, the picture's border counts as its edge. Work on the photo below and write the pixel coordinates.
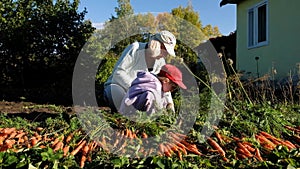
(258, 25)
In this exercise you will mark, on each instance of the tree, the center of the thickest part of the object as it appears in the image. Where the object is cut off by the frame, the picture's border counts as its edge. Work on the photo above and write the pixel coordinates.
(40, 41)
(124, 8)
(210, 31)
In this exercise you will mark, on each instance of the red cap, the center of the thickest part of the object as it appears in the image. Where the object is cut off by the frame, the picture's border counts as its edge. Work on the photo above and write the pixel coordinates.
(172, 73)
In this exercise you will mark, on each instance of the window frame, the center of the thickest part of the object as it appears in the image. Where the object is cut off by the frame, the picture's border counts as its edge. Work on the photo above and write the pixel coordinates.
(254, 26)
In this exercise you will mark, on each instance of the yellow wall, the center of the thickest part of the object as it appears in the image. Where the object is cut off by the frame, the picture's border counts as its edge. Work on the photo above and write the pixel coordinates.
(283, 49)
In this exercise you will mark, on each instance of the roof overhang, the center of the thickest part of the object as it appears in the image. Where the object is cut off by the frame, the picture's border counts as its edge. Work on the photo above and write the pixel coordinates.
(225, 2)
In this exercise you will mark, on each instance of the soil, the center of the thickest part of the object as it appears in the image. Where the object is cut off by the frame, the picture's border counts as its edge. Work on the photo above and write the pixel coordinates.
(37, 112)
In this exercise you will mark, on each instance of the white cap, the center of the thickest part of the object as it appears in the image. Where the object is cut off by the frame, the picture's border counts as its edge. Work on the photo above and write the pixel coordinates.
(168, 39)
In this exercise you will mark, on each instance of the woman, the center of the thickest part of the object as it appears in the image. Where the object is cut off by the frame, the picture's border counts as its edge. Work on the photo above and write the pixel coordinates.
(139, 57)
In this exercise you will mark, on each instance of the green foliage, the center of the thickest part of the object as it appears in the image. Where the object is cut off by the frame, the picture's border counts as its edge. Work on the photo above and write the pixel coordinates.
(124, 9)
(188, 14)
(40, 42)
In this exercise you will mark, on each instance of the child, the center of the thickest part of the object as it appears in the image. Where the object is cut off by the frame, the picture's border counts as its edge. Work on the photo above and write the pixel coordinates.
(146, 92)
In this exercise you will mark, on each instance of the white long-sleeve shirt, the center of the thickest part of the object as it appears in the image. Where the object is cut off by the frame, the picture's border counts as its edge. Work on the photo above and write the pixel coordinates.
(130, 63)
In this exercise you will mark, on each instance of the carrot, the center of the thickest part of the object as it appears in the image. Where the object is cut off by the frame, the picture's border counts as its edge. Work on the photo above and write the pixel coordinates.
(289, 144)
(244, 149)
(20, 140)
(25, 138)
(161, 148)
(19, 135)
(69, 137)
(236, 138)
(8, 131)
(180, 135)
(258, 155)
(265, 142)
(150, 151)
(66, 150)
(42, 146)
(172, 146)
(123, 145)
(182, 147)
(116, 142)
(58, 146)
(292, 129)
(34, 141)
(79, 147)
(219, 137)
(85, 150)
(144, 135)
(179, 155)
(55, 142)
(243, 152)
(92, 146)
(12, 135)
(296, 139)
(9, 143)
(248, 147)
(177, 136)
(168, 152)
(269, 136)
(216, 146)
(39, 129)
(272, 138)
(241, 156)
(2, 138)
(102, 146)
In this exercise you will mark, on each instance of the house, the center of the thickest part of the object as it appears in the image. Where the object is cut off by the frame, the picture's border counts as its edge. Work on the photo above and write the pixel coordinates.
(268, 34)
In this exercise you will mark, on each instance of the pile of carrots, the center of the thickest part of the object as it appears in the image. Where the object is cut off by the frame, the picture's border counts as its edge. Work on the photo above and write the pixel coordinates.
(176, 144)
(245, 149)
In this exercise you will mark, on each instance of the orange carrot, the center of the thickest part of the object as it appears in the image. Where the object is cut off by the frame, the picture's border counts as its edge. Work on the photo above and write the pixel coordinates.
(272, 138)
(265, 142)
(102, 146)
(58, 146)
(39, 129)
(34, 141)
(144, 135)
(66, 150)
(92, 146)
(9, 143)
(150, 151)
(8, 131)
(55, 142)
(19, 135)
(292, 129)
(241, 156)
(12, 135)
(216, 146)
(69, 137)
(117, 141)
(296, 138)
(161, 148)
(289, 144)
(168, 152)
(42, 146)
(182, 147)
(219, 137)
(177, 136)
(258, 155)
(244, 149)
(79, 147)
(248, 147)
(85, 150)
(180, 135)
(179, 155)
